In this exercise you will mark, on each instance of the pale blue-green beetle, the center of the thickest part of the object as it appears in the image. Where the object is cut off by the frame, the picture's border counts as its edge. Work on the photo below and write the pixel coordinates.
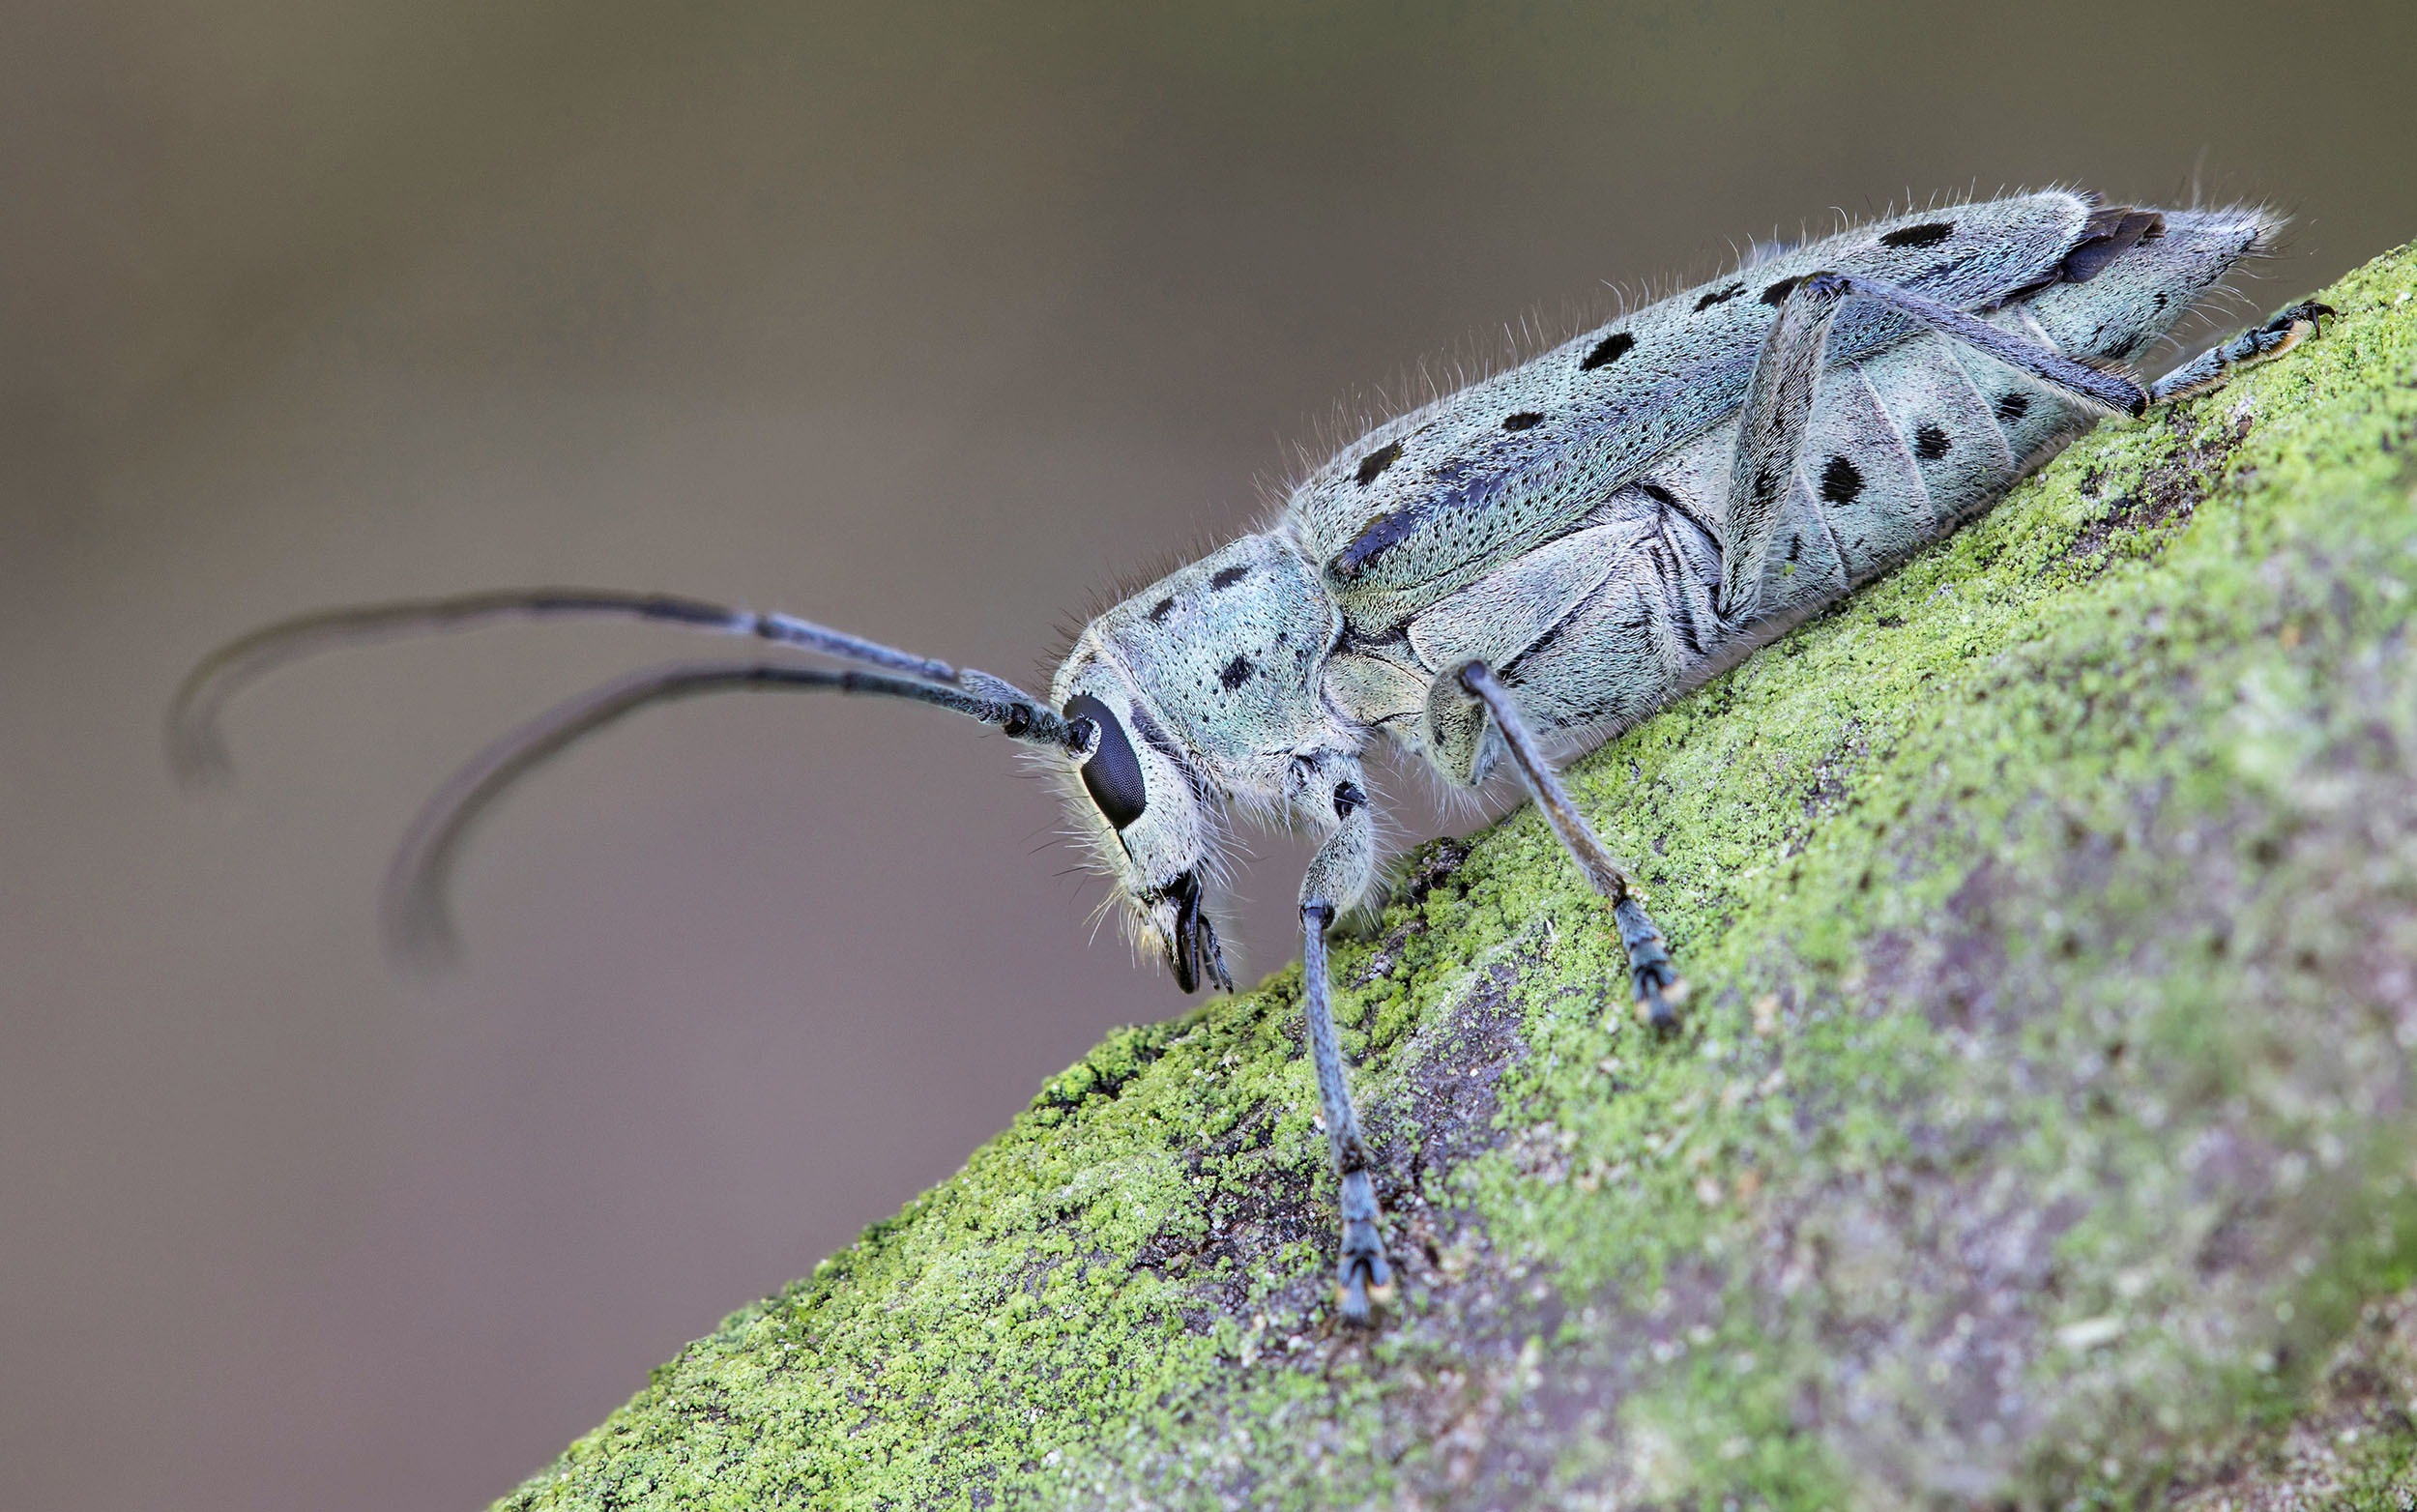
(1548, 555)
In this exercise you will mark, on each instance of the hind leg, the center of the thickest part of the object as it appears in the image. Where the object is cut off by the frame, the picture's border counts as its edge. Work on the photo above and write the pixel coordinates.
(1778, 407)
(2211, 368)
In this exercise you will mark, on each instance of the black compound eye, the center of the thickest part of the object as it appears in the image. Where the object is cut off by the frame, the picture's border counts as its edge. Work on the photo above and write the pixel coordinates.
(1113, 776)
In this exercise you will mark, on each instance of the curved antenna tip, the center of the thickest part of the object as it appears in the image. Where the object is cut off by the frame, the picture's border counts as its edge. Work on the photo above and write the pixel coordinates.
(197, 755)
(416, 921)
(420, 939)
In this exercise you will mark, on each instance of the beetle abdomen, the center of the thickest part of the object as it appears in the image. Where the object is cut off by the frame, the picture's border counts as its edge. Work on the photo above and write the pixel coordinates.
(1906, 446)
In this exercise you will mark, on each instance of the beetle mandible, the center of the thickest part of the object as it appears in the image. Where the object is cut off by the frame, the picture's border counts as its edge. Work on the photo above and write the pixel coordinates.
(1548, 555)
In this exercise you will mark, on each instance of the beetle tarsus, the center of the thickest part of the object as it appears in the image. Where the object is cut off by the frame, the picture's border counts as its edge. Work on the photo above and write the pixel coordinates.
(1659, 987)
(2210, 369)
(1363, 1277)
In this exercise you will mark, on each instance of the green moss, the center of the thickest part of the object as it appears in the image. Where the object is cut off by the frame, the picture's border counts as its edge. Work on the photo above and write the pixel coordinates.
(2044, 1110)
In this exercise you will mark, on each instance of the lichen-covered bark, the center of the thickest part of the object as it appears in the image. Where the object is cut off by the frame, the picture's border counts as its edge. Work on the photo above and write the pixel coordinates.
(2042, 1130)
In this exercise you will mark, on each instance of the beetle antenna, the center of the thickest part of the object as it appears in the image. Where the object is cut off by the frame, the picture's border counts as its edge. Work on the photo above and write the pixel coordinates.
(197, 753)
(418, 928)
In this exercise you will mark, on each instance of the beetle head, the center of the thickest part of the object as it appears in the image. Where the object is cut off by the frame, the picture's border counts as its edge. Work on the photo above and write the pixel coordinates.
(1153, 828)
(1202, 688)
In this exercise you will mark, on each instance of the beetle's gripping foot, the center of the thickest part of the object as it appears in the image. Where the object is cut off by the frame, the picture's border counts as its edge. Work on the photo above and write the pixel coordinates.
(1659, 987)
(2290, 325)
(2293, 324)
(1362, 1277)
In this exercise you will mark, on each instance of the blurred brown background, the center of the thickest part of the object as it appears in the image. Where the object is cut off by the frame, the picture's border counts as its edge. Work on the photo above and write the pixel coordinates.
(929, 321)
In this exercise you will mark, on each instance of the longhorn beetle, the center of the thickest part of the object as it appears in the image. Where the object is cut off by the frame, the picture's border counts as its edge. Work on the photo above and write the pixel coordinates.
(1545, 556)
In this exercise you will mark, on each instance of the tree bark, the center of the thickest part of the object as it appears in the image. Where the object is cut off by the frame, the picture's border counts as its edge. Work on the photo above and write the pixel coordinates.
(2042, 1128)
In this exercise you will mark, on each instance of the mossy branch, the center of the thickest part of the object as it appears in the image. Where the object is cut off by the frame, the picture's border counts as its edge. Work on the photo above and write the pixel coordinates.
(2043, 1124)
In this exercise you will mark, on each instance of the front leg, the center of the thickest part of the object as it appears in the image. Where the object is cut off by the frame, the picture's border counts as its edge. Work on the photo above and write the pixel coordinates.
(1338, 874)
(1659, 989)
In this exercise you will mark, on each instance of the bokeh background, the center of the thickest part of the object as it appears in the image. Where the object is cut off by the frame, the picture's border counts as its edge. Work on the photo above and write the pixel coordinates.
(932, 321)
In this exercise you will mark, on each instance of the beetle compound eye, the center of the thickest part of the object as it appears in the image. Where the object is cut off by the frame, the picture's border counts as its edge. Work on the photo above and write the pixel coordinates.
(1113, 776)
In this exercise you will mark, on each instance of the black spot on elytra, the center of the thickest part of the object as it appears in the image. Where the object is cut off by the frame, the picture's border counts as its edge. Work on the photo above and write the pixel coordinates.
(2161, 299)
(1720, 296)
(1227, 577)
(2013, 407)
(1841, 481)
(1930, 443)
(1377, 461)
(1234, 674)
(1159, 611)
(1928, 234)
(1795, 548)
(1611, 349)
(1524, 420)
(1777, 293)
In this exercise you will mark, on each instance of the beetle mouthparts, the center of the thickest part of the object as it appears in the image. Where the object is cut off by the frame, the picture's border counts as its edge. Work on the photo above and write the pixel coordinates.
(1194, 941)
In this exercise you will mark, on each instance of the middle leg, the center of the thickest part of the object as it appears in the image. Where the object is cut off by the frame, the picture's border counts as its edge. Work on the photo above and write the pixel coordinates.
(1659, 988)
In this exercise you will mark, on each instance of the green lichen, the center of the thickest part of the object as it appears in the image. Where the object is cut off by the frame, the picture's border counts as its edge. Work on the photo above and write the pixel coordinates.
(2041, 1123)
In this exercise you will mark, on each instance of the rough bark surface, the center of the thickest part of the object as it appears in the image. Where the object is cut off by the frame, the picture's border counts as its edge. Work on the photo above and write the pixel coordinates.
(2041, 1135)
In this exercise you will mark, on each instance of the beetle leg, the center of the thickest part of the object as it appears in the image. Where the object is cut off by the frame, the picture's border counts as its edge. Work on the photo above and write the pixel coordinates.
(1338, 874)
(1771, 440)
(1361, 1274)
(1779, 405)
(1659, 987)
(2209, 370)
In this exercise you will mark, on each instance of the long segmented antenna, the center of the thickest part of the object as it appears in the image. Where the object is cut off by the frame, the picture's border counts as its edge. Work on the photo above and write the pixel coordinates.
(418, 928)
(197, 753)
